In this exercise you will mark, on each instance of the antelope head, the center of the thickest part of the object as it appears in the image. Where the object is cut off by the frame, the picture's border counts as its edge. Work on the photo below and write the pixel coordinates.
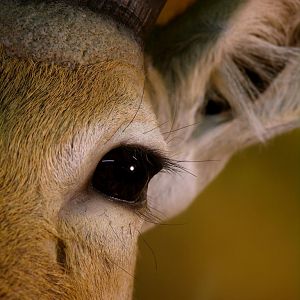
(101, 136)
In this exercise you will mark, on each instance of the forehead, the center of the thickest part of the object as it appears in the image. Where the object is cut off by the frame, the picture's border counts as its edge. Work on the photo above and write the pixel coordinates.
(54, 92)
(63, 33)
(49, 108)
(67, 68)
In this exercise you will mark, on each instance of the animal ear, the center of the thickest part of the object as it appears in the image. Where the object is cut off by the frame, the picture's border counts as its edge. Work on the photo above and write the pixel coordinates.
(222, 76)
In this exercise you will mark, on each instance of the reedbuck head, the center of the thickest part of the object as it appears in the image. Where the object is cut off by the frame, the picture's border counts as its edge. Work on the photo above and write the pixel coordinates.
(104, 132)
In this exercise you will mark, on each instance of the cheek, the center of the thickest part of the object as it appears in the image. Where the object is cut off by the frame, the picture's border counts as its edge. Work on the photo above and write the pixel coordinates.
(94, 233)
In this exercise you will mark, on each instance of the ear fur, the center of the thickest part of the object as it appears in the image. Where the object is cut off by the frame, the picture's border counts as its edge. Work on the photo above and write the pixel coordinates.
(227, 76)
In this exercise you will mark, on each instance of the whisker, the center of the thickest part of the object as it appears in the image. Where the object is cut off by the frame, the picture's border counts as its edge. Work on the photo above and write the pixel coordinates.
(124, 270)
(173, 119)
(151, 250)
(158, 126)
(115, 130)
(116, 235)
(139, 107)
(184, 127)
(111, 261)
(172, 139)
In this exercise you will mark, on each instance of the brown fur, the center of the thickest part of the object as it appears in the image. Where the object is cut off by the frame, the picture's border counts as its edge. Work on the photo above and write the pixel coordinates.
(60, 239)
(52, 132)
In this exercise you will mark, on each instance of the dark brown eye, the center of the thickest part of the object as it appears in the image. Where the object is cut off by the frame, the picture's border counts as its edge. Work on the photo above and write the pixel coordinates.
(124, 173)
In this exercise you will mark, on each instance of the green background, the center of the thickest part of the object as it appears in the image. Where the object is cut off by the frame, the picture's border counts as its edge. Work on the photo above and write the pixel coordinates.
(239, 240)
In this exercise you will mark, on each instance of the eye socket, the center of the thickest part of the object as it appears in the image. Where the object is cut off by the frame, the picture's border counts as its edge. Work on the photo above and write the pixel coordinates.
(124, 173)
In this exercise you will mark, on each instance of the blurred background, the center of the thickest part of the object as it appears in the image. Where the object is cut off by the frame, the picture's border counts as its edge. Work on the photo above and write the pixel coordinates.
(240, 239)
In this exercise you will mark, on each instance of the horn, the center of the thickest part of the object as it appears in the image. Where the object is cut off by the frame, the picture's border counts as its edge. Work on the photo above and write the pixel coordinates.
(138, 15)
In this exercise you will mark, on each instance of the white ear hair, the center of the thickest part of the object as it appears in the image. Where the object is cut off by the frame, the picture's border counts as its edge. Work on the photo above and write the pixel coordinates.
(214, 97)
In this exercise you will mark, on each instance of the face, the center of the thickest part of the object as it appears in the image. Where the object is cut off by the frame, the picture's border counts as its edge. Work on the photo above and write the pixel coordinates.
(71, 136)
(76, 162)
(84, 147)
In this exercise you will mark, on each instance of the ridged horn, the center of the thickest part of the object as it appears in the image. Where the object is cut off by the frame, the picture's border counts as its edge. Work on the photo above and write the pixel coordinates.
(138, 15)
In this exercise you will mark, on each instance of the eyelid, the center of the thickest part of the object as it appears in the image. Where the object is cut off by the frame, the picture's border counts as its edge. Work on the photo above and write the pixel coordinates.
(168, 164)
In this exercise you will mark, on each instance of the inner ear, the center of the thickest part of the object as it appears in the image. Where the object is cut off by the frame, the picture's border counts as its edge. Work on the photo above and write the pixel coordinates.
(259, 71)
(215, 103)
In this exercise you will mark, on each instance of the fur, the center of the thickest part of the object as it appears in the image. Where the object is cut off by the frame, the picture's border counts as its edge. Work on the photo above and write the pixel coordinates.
(63, 107)
(54, 243)
(252, 61)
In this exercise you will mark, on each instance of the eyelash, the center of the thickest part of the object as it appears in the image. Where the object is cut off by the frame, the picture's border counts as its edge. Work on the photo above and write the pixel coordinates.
(168, 165)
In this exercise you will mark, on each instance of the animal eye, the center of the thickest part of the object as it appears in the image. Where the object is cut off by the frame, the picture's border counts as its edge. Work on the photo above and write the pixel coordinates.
(124, 173)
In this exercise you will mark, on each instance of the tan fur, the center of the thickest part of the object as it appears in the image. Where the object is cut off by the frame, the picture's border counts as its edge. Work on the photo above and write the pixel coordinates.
(59, 238)
(53, 131)
(263, 29)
